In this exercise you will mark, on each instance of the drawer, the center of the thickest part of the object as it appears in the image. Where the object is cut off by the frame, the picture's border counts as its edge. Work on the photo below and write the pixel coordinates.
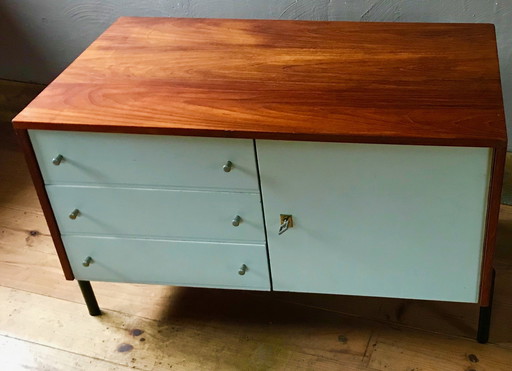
(179, 263)
(156, 160)
(195, 215)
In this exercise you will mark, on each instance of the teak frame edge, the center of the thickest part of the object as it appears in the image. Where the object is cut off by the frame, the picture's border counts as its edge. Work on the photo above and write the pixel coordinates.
(458, 141)
(491, 225)
(38, 181)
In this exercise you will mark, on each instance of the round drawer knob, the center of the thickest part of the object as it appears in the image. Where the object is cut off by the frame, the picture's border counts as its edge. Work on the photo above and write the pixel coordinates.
(57, 160)
(87, 261)
(243, 269)
(74, 214)
(228, 166)
(236, 221)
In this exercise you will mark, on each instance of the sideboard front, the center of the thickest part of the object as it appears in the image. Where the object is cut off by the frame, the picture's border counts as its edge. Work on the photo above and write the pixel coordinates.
(368, 219)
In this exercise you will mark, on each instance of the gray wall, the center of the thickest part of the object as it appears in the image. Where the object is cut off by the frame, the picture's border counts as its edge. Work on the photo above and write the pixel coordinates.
(39, 38)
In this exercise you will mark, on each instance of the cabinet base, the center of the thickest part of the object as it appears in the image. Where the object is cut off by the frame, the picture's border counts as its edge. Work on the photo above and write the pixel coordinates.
(90, 299)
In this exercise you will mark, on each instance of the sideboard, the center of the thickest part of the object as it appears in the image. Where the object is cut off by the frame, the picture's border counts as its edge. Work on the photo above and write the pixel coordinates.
(317, 157)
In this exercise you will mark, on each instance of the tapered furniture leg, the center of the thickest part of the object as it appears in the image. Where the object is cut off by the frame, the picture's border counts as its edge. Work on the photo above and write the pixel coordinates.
(484, 322)
(90, 299)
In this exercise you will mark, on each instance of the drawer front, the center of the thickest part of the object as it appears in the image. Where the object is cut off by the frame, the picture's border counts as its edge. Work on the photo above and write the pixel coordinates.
(133, 159)
(376, 220)
(169, 262)
(158, 213)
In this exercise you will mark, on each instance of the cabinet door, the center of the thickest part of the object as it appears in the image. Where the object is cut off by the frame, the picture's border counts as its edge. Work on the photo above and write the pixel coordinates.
(376, 220)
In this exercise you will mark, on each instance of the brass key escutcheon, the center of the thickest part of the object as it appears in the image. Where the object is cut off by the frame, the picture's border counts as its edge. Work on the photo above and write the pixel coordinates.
(286, 222)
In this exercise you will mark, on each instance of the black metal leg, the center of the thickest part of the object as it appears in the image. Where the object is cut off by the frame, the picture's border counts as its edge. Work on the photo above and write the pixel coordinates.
(484, 322)
(90, 299)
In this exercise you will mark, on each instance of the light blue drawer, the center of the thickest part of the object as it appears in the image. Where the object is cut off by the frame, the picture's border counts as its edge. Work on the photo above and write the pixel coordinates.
(191, 215)
(155, 160)
(169, 262)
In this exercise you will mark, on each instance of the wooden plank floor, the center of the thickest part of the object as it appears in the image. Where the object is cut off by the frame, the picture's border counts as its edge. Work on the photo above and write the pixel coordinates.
(44, 323)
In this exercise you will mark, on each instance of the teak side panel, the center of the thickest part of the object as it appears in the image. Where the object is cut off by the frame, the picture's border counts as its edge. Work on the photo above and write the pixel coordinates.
(407, 83)
(38, 181)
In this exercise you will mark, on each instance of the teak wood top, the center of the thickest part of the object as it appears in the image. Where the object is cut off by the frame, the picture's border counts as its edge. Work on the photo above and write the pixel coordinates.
(299, 80)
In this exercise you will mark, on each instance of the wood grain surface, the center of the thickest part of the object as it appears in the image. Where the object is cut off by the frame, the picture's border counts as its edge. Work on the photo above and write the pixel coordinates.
(328, 81)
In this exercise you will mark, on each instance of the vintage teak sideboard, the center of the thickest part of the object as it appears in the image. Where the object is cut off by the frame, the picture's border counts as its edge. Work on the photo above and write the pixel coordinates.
(317, 157)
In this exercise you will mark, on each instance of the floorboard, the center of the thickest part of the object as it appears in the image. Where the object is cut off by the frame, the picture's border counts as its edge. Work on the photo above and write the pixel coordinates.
(17, 355)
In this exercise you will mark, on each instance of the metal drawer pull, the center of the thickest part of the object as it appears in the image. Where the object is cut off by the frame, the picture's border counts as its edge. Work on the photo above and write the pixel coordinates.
(236, 221)
(57, 160)
(286, 222)
(74, 214)
(243, 269)
(227, 167)
(87, 261)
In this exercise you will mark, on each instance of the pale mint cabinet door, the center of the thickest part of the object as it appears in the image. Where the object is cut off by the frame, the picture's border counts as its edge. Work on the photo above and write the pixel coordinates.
(190, 215)
(181, 263)
(376, 220)
(153, 160)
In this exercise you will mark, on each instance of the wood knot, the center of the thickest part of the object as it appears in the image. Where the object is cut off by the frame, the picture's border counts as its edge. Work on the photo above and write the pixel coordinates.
(473, 358)
(124, 347)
